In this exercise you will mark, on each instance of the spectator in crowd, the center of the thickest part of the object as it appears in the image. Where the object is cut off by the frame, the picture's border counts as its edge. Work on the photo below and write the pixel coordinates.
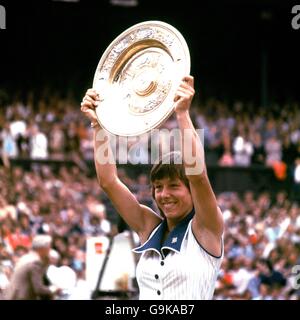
(9, 146)
(57, 142)
(38, 143)
(259, 155)
(27, 279)
(242, 150)
(273, 150)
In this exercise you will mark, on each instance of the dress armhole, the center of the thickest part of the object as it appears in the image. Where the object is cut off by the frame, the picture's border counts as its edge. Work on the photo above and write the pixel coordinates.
(222, 246)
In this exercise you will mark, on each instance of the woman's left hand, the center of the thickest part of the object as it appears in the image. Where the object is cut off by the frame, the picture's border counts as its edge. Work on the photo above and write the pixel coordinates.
(184, 95)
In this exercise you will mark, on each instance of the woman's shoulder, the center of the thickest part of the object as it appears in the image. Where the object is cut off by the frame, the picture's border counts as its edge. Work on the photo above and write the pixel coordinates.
(152, 221)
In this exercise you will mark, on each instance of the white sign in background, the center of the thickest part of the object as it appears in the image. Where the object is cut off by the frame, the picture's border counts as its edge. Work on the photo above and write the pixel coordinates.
(121, 261)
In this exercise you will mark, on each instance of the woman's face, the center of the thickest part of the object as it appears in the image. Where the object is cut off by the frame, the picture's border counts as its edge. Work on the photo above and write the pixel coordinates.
(172, 197)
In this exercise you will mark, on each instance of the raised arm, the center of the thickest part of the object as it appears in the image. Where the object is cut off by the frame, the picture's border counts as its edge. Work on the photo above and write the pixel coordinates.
(208, 221)
(140, 218)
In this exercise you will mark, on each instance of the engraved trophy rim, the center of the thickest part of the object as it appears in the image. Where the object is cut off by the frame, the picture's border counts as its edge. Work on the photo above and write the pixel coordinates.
(137, 76)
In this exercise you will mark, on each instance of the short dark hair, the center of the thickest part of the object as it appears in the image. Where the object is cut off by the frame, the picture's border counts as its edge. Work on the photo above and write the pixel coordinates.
(169, 166)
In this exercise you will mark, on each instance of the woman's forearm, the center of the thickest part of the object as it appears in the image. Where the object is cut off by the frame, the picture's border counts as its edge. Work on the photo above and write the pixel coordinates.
(104, 159)
(192, 146)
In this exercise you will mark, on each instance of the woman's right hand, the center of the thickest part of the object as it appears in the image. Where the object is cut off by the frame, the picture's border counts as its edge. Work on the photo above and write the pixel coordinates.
(89, 103)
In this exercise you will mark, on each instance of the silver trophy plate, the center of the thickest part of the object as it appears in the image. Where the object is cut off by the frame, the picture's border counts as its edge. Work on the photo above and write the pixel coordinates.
(137, 77)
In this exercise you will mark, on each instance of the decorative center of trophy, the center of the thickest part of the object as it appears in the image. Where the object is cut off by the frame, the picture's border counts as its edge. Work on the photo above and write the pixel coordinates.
(145, 83)
(145, 80)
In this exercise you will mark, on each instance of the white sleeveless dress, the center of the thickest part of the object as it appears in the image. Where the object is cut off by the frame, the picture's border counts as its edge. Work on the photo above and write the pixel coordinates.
(187, 272)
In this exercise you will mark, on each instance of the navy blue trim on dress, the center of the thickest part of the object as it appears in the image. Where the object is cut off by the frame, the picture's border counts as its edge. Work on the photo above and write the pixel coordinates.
(173, 241)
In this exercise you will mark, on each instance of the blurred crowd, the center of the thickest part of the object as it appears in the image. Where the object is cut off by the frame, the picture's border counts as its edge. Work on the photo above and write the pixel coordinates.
(262, 237)
(65, 204)
(235, 134)
(262, 247)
